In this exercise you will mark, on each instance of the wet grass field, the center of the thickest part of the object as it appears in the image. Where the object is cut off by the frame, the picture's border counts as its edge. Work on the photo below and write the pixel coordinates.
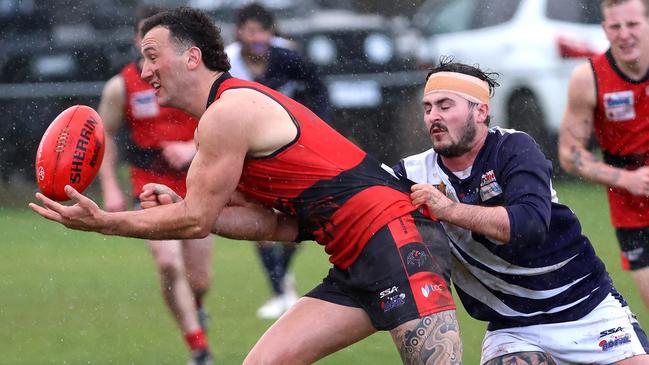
(70, 297)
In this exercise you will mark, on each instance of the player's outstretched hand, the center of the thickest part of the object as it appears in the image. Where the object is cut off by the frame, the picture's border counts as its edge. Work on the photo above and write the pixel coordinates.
(84, 215)
(157, 194)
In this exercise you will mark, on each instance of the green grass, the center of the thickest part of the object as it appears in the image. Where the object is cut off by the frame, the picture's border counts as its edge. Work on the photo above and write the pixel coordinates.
(81, 298)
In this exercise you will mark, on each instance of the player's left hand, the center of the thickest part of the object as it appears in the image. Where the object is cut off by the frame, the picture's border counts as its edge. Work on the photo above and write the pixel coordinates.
(84, 215)
(428, 195)
(178, 154)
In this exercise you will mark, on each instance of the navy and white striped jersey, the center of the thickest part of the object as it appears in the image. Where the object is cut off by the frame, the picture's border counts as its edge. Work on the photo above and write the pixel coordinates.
(548, 272)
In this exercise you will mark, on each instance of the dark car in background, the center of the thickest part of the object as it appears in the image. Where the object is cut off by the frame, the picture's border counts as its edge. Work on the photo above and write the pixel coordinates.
(371, 75)
(371, 84)
(533, 44)
(54, 57)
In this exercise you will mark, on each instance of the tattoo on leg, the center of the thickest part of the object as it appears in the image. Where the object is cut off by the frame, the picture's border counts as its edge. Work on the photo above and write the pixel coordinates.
(435, 339)
(523, 358)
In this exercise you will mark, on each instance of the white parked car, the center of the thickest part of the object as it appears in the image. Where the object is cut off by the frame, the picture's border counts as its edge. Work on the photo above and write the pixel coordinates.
(533, 44)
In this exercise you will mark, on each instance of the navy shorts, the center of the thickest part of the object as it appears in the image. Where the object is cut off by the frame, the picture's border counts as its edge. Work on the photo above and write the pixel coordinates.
(401, 274)
(634, 243)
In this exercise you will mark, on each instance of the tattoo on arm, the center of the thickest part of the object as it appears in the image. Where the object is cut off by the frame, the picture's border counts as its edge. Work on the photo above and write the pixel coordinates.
(435, 339)
(587, 165)
(523, 358)
(576, 158)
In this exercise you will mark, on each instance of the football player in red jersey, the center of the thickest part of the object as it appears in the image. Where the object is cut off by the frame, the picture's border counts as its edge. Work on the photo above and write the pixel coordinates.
(259, 143)
(609, 96)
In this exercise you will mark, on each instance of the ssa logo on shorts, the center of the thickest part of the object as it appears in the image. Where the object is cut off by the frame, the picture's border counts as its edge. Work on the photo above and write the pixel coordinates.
(610, 331)
(390, 298)
(388, 291)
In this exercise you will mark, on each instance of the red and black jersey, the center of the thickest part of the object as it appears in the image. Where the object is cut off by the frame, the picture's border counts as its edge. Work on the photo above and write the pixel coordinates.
(339, 194)
(621, 121)
(149, 126)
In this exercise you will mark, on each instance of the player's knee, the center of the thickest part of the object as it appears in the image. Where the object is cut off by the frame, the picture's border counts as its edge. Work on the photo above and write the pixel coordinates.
(200, 284)
(169, 265)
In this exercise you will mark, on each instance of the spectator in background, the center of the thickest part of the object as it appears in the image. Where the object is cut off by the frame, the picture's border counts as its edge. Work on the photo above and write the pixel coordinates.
(260, 55)
(161, 149)
(520, 260)
(610, 96)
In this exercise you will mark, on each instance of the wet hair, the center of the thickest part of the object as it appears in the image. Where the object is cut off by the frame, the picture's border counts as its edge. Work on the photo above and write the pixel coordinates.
(448, 64)
(190, 27)
(257, 13)
(609, 3)
(144, 12)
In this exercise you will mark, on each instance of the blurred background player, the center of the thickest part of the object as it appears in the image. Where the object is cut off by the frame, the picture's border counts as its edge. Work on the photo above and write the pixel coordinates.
(610, 96)
(160, 149)
(260, 55)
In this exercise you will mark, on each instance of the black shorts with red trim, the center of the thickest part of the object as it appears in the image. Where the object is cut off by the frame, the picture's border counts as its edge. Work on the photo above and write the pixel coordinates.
(634, 244)
(402, 274)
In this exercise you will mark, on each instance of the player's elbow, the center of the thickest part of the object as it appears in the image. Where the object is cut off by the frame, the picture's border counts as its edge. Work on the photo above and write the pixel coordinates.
(202, 229)
(197, 226)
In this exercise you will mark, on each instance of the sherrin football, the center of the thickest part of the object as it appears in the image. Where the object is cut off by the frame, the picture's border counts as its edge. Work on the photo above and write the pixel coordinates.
(70, 152)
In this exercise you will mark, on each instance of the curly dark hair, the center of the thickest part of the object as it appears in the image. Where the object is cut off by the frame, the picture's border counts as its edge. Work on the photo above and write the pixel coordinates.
(191, 27)
(448, 64)
(144, 12)
(256, 12)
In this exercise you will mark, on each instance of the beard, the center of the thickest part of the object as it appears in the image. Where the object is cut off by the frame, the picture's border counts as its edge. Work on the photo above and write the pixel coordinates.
(462, 146)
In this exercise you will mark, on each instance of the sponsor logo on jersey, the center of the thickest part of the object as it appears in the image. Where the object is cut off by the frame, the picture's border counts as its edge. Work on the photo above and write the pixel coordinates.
(619, 106)
(144, 104)
(624, 339)
(489, 187)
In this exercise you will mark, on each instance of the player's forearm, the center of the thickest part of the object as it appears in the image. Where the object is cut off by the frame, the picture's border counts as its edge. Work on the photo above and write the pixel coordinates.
(172, 221)
(107, 172)
(492, 222)
(255, 223)
(579, 161)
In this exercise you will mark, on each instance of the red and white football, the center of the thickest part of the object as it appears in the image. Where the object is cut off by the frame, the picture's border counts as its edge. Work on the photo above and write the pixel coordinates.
(70, 152)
